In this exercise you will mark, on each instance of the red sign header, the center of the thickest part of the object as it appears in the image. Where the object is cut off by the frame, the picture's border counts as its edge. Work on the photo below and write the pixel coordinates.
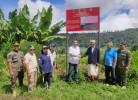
(86, 19)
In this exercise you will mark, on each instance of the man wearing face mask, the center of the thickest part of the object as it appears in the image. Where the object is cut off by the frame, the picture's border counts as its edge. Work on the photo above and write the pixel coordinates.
(15, 64)
(31, 68)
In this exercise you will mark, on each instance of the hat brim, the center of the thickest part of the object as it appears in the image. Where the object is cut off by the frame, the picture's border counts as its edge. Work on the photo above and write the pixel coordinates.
(45, 48)
(16, 45)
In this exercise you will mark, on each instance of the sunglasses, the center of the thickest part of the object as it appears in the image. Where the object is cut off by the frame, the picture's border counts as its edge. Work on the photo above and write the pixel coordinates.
(120, 45)
(16, 45)
(32, 50)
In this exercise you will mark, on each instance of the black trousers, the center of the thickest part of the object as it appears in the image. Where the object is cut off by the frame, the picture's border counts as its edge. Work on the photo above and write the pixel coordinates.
(47, 78)
(108, 70)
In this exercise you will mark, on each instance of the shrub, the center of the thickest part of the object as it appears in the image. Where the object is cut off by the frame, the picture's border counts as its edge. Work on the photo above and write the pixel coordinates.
(24, 47)
(134, 48)
(8, 47)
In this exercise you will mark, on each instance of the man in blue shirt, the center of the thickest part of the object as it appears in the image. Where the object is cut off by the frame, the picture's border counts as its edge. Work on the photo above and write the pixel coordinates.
(110, 60)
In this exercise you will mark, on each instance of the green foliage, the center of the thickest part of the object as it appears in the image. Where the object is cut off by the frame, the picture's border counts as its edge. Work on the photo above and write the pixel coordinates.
(46, 19)
(60, 89)
(1, 15)
(133, 72)
(6, 48)
(60, 50)
(24, 47)
(22, 27)
(130, 36)
(12, 14)
(134, 47)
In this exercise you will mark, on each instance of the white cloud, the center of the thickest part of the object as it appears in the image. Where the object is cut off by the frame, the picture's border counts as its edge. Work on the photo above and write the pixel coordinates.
(118, 22)
(38, 5)
(106, 6)
(113, 21)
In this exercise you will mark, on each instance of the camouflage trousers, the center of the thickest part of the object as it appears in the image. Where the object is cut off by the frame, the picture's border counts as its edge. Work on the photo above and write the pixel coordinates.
(32, 81)
(20, 76)
(121, 75)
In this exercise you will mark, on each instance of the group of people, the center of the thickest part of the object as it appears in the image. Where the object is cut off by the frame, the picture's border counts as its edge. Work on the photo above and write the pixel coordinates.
(16, 61)
(116, 62)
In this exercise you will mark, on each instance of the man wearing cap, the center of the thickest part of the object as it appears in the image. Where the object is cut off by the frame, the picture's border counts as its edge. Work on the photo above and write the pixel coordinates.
(15, 64)
(123, 64)
(31, 68)
(74, 52)
(51, 52)
(93, 54)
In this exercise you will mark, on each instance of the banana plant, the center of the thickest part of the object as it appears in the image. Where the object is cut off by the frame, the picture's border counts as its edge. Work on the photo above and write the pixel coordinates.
(45, 33)
(22, 27)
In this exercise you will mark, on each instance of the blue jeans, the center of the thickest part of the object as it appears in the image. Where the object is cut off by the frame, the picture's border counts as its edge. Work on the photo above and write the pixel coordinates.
(71, 67)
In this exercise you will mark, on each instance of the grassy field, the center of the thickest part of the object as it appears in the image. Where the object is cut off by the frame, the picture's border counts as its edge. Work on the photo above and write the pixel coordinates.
(60, 90)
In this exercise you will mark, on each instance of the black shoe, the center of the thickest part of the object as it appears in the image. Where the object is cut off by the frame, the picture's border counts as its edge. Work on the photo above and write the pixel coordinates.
(43, 86)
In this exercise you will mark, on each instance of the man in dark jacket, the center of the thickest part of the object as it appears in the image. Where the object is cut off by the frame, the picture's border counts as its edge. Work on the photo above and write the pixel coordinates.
(93, 54)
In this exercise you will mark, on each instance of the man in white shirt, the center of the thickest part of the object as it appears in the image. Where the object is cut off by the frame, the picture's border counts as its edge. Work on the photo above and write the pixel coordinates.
(51, 52)
(74, 52)
(31, 68)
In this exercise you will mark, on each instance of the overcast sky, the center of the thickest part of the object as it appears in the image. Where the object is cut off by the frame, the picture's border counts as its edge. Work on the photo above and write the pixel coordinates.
(115, 14)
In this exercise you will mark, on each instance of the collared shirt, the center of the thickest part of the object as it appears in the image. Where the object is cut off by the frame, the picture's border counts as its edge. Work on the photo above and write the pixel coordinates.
(52, 56)
(31, 61)
(123, 57)
(16, 58)
(45, 63)
(93, 49)
(110, 57)
(75, 51)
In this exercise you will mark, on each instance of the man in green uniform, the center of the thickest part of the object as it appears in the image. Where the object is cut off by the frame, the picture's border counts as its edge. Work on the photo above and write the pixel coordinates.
(15, 64)
(123, 64)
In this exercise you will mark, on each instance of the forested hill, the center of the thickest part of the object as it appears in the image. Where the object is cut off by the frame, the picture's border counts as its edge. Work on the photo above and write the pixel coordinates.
(130, 36)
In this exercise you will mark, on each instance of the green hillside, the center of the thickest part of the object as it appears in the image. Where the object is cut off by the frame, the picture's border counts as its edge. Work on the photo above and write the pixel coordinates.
(130, 36)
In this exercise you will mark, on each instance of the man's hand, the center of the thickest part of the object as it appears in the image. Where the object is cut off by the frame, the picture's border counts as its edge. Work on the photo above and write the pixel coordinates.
(11, 73)
(29, 74)
(97, 64)
(113, 66)
(55, 66)
(127, 68)
(79, 56)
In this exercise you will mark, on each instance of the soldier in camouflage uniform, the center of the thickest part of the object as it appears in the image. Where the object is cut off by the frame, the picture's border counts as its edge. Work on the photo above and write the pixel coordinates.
(123, 64)
(15, 64)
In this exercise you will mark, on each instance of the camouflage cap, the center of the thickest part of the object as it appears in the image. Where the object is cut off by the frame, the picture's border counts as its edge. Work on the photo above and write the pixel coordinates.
(123, 43)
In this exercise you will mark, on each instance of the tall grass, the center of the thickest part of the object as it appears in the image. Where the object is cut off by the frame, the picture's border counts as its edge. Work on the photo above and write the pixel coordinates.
(60, 90)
